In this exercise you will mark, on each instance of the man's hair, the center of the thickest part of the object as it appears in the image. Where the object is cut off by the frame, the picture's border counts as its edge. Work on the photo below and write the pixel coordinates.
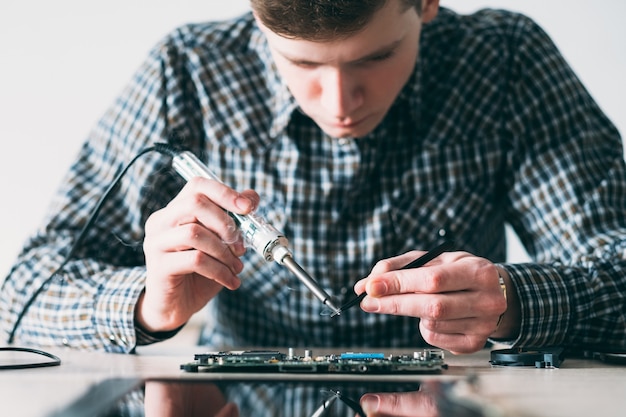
(321, 20)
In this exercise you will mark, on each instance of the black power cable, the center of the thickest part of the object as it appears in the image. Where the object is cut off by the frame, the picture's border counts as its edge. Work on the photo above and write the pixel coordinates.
(163, 148)
(55, 360)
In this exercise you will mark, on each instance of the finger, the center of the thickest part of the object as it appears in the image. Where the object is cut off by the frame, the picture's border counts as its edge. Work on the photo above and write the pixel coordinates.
(194, 237)
(447, 306)
(222, 195)
(399, 404)
(253, 197)
(427, 279)
(458, 343)
(197, 208)
(450, 272)
(395, 262)
(359, 287)
(229, 410)
(483, 326)
(404, 261)
(400, 262)
(196, 262)
(192, 249)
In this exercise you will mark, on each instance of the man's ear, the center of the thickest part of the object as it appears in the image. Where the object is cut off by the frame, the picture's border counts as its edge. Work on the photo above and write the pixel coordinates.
(258, 22)
(430, 8)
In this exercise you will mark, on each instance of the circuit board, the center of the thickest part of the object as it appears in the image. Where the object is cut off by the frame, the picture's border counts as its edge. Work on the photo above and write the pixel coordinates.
(269, 361)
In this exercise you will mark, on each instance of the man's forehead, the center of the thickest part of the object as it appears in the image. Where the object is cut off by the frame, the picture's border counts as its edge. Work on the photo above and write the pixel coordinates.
(385, 31)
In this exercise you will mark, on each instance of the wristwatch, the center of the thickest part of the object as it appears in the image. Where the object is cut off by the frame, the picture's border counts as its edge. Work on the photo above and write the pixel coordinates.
(503, 288)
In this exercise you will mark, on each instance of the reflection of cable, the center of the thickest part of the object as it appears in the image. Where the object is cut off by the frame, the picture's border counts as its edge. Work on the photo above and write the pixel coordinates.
(81, 235)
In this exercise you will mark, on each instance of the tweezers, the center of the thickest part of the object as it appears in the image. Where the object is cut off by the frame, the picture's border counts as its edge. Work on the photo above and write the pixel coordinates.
(421, 261)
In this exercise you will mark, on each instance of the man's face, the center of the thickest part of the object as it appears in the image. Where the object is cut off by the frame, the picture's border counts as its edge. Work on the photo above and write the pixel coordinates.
(347, 86)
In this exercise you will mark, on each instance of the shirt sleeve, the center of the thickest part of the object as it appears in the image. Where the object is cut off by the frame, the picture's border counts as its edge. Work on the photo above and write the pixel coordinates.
(90, 302)
(567, 202)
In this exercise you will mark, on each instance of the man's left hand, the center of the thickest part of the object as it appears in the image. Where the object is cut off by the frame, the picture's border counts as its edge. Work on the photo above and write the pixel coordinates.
(457, 297)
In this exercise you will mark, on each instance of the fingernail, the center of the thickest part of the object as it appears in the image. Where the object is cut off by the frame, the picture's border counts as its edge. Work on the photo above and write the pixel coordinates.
(369, 403)
(377, 288)
(370, 304)
(243, 203)
(235, 283)
(238, 248)
(237, 266)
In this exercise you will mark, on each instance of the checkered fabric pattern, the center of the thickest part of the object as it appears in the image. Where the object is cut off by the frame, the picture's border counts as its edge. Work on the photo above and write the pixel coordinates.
(492, 127)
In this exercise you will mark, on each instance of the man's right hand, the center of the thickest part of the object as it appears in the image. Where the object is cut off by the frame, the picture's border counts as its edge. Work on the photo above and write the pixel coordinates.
(192, 249)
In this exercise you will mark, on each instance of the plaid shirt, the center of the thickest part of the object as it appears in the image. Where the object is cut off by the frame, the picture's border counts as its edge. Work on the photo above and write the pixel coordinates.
(492, 127)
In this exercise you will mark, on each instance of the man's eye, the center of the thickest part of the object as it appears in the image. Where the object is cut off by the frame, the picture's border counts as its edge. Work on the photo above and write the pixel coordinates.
(304, 64)
(365, 62)
(381, 57)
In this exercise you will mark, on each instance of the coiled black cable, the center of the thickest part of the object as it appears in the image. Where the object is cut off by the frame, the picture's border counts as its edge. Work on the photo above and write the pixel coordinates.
(54, 360)
(162, 148)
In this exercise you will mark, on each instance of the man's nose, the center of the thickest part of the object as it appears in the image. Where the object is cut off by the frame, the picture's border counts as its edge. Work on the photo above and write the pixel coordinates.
(341, 93)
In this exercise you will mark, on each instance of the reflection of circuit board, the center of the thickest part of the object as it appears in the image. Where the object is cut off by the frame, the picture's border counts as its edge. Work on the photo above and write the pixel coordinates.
(263, 361)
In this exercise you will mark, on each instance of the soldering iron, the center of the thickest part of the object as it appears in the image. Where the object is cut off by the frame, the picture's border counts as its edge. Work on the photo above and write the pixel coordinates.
(264, 238)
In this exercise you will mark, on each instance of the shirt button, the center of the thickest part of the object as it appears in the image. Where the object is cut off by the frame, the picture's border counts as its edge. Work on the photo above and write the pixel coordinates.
(65, 342)
(344, 141)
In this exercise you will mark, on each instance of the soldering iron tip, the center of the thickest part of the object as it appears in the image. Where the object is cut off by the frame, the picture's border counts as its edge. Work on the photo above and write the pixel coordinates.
(331, 304)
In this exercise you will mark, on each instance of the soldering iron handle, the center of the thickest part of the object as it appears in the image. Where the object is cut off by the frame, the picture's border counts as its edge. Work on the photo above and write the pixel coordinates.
(264, 238)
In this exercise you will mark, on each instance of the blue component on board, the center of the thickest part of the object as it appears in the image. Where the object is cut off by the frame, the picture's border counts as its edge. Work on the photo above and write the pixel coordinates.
(362, 356)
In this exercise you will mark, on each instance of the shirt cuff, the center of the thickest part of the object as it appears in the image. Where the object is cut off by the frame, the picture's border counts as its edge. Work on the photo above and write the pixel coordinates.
(114, 315)
(145, 337)
(545, 314)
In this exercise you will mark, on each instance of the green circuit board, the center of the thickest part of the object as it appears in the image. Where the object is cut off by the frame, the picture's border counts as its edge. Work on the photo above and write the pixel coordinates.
(269, 361)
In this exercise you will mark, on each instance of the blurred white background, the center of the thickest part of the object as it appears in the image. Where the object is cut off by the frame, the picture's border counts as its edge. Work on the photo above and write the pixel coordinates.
(63, 62)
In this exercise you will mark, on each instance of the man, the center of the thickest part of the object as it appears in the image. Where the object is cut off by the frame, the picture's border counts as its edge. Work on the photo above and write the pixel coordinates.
(371, 130)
